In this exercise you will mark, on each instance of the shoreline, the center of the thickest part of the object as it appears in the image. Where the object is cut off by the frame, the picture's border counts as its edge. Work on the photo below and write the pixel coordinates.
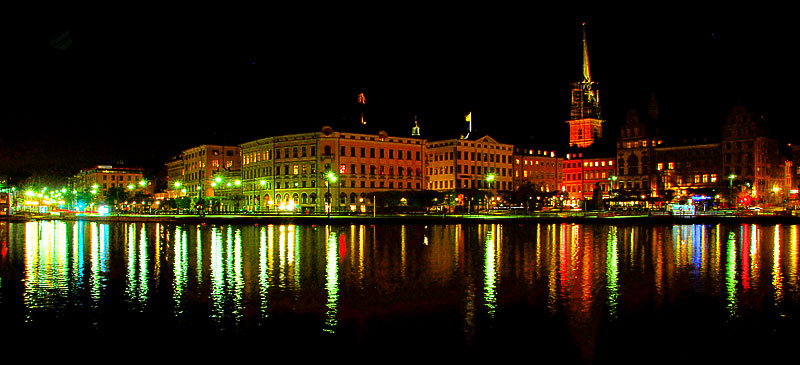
(587, 218)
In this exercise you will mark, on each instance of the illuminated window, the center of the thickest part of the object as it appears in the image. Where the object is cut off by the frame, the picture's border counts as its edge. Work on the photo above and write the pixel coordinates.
(697, 178)
(215, 163)
(671, 166)
(342, 169)
(713, 177)
(659, 166)
(610, 163)
(517, 161)
(525, 174)
(295, 169)
(228, 163)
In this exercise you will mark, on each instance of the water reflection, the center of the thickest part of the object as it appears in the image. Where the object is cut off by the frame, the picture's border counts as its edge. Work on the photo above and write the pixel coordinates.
(461, 280)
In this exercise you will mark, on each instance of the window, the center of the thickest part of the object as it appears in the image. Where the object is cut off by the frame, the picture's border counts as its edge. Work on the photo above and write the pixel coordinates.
(713, 177)
(372, 152)
(659, 166)
(342, 150)
(313, 151)
(671, 166)
(295, 169)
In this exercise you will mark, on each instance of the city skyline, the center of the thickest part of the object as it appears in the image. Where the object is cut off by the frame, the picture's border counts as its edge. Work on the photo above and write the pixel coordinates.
(140, 96)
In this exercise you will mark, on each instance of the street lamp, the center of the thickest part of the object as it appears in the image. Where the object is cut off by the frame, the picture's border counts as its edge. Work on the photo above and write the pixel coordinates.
(731, 177)
(330, 178)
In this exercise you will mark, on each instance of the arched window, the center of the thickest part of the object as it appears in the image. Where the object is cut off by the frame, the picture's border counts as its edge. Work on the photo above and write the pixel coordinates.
(327, 150)
(295, 198)
(304, 199)
(342, 198)
(353, 198)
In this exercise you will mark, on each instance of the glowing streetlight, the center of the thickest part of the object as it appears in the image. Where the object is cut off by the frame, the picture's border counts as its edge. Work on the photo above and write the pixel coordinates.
(130, 186)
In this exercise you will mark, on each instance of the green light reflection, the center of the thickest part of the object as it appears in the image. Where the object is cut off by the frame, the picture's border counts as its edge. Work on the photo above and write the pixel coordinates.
(490, 273)
(331, 280)
(730, 275)
(612, 272)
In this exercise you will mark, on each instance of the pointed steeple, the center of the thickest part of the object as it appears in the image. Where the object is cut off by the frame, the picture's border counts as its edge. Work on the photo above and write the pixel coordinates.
(587, 77)
(586, 123)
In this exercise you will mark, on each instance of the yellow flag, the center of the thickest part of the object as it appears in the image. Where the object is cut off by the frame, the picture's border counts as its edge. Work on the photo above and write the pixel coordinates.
(469, 117)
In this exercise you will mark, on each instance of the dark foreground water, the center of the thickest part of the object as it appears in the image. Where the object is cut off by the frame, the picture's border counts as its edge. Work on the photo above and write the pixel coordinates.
(565, 292)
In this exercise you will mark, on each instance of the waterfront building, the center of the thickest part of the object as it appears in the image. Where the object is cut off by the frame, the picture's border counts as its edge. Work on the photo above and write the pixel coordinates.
(749, 156)
(536, 166)
(689, 170)
(580, 176)
(103, 177)
(299, 171)
(201, 164)
(469, 164)
(636, 172)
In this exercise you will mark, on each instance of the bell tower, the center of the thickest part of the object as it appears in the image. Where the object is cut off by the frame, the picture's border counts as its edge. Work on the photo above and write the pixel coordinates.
(585, 123)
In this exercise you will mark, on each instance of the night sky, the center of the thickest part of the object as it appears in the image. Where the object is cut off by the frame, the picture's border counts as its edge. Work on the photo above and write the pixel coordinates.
(76, 95)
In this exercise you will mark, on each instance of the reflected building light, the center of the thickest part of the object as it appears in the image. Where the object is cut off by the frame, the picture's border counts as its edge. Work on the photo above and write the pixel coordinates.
(612, 272)
(238, 276)
(130, 276)
(293, 257)
(282, 257)
(747, 235)
(331, 281)
(31, 265)
(263, 273)
(794, 259)
(94, 262)
(777, 274)
(403, 252)
(77, 251)
(180, 269)
(217, 276)
(490, 273)
(143, 262)
(730, 276)
(271, 253)
(198, 252)
(755, 249)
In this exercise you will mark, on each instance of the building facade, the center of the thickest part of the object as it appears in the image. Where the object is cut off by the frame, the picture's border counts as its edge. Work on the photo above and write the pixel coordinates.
(749, 156)
(314, 171)
(580, 176)
(103, 177)
(537, 167)
(636, 173)
(201, 165)
(469, 164)
(689, 170)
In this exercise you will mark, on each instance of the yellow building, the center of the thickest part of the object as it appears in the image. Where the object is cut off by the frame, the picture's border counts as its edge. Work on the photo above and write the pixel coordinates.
(469, 164)
(298, 171)
(103, 177)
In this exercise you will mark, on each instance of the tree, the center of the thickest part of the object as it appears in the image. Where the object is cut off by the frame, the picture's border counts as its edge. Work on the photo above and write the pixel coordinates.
(116, 195)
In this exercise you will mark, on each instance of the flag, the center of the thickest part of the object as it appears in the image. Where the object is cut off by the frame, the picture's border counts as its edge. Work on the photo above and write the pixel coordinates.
(469, 117)
(361, 99)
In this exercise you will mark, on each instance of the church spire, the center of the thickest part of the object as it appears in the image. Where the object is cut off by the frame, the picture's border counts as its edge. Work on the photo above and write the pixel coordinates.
(587, 77)
(585, 122)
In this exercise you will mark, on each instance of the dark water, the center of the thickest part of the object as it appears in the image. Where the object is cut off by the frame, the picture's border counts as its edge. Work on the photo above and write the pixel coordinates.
(549, 291)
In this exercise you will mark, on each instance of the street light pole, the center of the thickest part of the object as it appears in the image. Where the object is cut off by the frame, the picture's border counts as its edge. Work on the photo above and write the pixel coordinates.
(730, 178)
